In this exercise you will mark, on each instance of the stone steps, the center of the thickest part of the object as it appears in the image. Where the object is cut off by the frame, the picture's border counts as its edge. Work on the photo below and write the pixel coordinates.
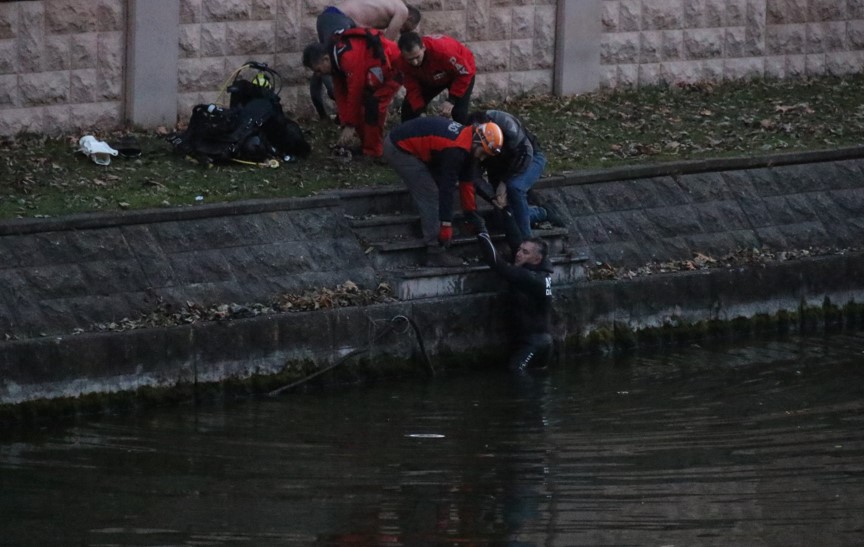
(388, 227)
(474, 277)
(396, 238)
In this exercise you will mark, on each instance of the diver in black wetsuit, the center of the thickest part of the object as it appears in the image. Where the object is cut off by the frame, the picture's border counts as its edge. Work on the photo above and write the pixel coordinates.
(530, 280)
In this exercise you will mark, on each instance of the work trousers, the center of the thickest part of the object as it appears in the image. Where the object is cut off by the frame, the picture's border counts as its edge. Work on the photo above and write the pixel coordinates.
(460, 107)
(421, 185)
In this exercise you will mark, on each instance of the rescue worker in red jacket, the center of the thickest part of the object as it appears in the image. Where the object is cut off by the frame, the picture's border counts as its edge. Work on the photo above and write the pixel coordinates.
(430, 65)
(391, 17)
(364, 83)
(432, 154)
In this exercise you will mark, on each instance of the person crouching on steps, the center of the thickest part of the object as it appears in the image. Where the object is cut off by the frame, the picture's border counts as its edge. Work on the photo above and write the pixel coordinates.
(530, 312)
(515, 170)
(431, 155)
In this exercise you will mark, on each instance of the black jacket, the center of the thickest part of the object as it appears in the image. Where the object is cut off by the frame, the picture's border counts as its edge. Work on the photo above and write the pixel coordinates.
(518, 150)
(530, 290)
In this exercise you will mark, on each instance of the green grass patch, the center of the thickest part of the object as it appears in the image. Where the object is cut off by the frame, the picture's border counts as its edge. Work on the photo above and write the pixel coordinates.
(42, 176)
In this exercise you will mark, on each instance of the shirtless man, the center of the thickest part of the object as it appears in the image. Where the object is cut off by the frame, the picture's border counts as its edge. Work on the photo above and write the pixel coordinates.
(390, 16)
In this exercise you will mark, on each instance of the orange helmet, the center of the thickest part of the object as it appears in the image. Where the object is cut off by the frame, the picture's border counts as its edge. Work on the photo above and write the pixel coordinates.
(491, 137)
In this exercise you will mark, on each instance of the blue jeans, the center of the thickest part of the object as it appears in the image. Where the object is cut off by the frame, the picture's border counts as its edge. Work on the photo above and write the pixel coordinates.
(517, 195)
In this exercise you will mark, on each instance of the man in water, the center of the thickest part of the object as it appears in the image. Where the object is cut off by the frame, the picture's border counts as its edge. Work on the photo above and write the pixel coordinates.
(530, 281)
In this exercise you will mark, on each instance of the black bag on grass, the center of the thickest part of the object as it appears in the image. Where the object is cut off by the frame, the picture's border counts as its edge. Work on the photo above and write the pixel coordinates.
(253, 128)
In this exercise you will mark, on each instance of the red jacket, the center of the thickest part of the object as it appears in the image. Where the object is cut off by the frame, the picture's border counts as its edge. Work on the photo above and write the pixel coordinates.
(445, 147)
(359, 65)
(446, 63)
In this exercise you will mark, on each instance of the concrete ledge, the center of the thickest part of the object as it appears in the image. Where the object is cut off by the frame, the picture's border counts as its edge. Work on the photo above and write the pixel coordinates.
(63, 367)
(590, 176)
(337, 197)
(86, 221)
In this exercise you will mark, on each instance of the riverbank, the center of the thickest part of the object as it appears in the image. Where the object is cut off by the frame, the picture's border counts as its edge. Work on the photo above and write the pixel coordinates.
(94, 372)
(43, 177)
(645, 258)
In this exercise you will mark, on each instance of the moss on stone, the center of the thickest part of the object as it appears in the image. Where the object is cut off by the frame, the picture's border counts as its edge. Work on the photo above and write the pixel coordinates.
(619, 338)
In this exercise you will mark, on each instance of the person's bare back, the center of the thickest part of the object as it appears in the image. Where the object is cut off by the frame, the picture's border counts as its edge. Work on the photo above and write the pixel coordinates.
(387, 15)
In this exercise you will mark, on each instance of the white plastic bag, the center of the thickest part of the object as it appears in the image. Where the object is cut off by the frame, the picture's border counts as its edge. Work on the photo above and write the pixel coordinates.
(96, 150)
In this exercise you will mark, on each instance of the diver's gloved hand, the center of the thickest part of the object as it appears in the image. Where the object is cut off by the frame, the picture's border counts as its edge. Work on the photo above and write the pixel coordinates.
(445, 234)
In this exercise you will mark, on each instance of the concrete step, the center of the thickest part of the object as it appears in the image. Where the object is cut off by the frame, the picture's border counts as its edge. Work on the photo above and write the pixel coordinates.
(386, 223)
(396, 226)
(377, 226)
(402, 251)
(474, 277)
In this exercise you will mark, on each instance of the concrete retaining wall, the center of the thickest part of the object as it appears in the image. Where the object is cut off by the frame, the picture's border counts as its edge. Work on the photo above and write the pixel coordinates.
(674, 214)
(455, 330)
(67, 274)
(60, 276)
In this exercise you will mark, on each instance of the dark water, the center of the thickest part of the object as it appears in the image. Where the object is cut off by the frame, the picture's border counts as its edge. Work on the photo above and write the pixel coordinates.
(755, 445)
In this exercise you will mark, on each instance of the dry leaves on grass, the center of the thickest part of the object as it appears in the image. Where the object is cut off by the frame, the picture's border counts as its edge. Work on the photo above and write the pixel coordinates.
(42, 176)
(744, 257)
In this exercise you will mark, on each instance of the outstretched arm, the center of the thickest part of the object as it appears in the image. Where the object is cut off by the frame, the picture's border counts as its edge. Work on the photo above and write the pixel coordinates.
(316, 85)
(400, 15)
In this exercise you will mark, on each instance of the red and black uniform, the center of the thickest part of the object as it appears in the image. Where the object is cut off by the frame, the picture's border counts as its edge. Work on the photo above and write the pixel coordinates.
(447, 64)
(432, 154)
(364, 83)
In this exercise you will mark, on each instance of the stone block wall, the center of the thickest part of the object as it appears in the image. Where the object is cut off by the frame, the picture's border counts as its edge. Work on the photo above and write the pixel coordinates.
(61, 65)
(632, 222)
(63, 62)
(513, 43)
(651, 42)
(71, 273)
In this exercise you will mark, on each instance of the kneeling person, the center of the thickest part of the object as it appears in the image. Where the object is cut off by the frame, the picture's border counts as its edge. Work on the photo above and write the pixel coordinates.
(364, 83)
(516, 169)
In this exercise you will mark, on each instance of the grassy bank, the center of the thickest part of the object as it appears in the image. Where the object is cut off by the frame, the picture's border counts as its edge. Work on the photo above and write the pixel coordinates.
(42, 176)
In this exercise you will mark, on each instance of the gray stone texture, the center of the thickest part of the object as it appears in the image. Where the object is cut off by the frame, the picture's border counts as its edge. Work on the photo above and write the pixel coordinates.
(742, 39)
(73, 279)
(629, 222)
(59, 276)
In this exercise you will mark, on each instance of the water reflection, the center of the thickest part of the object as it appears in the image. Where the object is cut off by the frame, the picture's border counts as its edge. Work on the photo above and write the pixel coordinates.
(747, 445)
